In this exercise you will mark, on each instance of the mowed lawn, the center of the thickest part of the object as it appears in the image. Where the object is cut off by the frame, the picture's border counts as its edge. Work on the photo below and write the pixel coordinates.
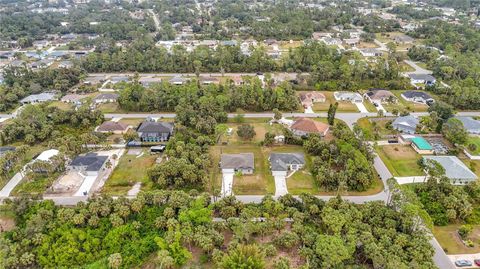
(401, 160)
(129, 171)
(403, 104)
(476, 141)
(260, 182)
(330, 99)
(448, 238)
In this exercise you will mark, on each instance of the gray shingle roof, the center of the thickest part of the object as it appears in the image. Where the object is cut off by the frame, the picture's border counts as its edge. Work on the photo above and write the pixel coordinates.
(417, 94)
(92, 161)
(281, 161)
(469, 123)
(237, 161)
(454, 168)
(41, 97)
(409, 121)
(155, 127)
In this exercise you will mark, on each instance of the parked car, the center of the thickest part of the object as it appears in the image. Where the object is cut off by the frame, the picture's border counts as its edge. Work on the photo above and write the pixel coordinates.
(463, 263)
(477, 262)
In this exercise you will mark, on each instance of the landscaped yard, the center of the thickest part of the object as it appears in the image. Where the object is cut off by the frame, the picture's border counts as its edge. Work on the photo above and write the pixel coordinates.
(476, 141)
(260, 182)
(130, 170)
(330, 99)
(448, 238)
(401, 160)
(405, 105)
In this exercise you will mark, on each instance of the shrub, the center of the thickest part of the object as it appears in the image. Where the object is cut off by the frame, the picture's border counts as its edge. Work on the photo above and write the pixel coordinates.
(464, 231)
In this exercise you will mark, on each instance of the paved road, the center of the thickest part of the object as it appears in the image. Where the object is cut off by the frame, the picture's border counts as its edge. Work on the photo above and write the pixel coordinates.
(11, 184)
(418, 70)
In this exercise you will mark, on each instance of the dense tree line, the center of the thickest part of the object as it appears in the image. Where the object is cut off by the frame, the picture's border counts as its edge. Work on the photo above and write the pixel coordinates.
(21, 81)
(250, 96)
(25, 26)
(345, 163)
(408, 12)
(38, 123)
(165, 229)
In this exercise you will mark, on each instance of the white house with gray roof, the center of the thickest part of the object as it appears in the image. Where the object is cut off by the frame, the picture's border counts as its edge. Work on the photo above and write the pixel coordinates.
(406, 124)
(455, 169)
(240, 162)
(38, 98)
(286, 161)
(348, 96)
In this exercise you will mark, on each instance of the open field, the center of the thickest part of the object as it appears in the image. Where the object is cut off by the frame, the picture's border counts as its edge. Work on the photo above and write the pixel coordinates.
(129, 171)
(450, 241)
(110, 108)
(330, 99)
(60, 105)
(401, 160)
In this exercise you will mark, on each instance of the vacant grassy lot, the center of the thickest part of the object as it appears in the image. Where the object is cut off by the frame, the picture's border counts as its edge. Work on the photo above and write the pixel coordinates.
(36, 185)
(448, 238)
(330, 99)
(132, 122)
(129, 171)
(61, 105)
(401, 160)
(110, 108)
(260, 130)
(370, 124)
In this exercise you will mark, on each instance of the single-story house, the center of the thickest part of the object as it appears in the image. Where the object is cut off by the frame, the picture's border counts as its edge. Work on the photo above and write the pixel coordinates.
(241, 162)
(420, 145)
(370, 52)
(147, 81)
(65, 64)
(470, 124)
(422, 79)
(455, 169)
(105, 98)
(352, 41)
(417, 97)
(406, 124)
(112, 127)
(178, 80)
(72, 98)
(38, 98)
(286, 161)
(89, 164)
(403, 39)
(306, 126)
(348, 96)
(380, 96)
(117, 79)
(42, 63)
(150, 131)
(329, 41)
(208, 80)
(309, 98)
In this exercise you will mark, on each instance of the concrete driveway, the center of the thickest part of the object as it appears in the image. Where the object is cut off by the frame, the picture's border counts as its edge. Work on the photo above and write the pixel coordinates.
(361, 107)
(227, 183)
(280, 182)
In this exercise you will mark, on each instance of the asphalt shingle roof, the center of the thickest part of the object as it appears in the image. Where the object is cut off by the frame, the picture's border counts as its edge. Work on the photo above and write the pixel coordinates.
(237, 161)
(454, 168)
(281, 161)
(92, 161)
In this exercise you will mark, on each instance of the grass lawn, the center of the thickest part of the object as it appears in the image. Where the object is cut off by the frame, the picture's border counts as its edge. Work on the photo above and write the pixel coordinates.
(110, 108)
(406, 105)
(260, 182)
(450, 241)
(61, 105)
(474, 165)
(132, 122)
(401, 160)
(368, 125)
(129, 171)
(476, 141)
(35, 186)
(250, 120)
(330, 99)
(260, 130)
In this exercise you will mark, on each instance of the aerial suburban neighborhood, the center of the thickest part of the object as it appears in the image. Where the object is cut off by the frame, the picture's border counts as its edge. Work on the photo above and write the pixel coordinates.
(240, 134)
